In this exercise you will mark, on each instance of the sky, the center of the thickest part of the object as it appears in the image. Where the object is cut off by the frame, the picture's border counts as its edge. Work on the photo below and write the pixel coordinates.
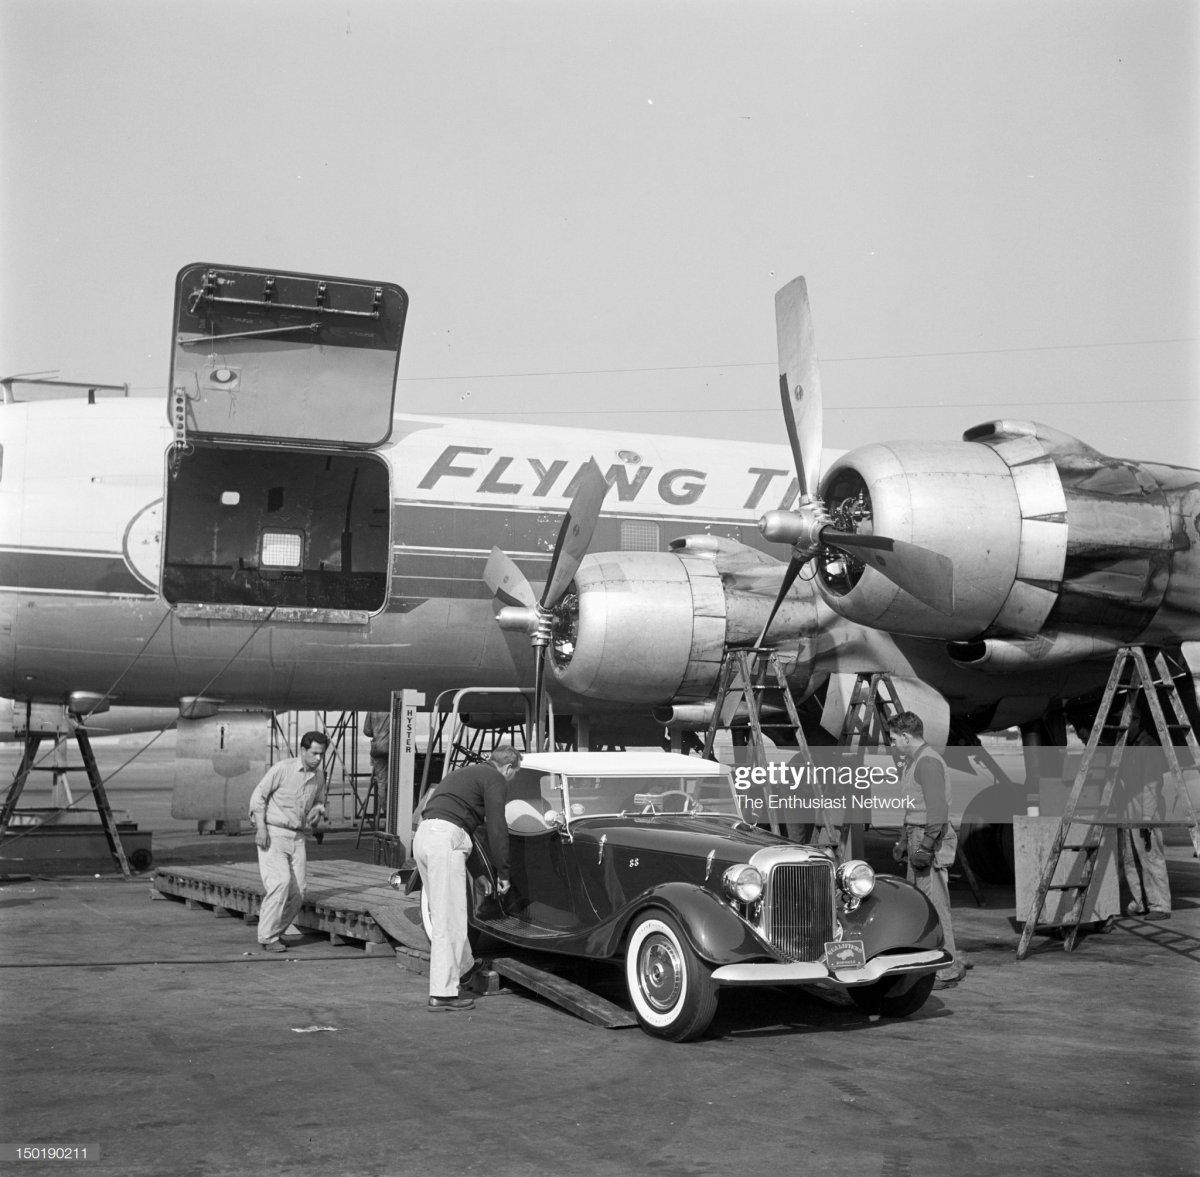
(592, 203)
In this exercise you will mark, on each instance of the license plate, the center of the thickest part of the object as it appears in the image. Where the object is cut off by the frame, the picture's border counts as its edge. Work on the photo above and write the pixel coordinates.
(845, 954)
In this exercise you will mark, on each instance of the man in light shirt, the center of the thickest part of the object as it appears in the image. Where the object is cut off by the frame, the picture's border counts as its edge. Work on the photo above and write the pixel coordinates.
(283, 805)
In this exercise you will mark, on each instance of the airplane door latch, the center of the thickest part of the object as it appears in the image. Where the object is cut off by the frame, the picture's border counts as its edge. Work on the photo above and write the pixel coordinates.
(181, 447)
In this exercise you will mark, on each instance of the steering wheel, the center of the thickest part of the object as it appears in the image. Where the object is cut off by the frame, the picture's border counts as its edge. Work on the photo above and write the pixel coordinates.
(689, 802)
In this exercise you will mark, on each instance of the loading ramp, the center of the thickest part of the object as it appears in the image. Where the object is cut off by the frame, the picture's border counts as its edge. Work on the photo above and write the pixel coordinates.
(351, 902)
(354, 902)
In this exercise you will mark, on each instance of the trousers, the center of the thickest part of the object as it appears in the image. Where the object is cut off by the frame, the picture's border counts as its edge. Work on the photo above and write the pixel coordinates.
(1152, 860)
(379, 782)
(934, 883)
(441, 850)
(284, 867)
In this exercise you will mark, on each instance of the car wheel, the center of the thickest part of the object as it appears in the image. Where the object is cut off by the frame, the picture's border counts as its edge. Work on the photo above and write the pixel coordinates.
(670, 986)
(893, 997)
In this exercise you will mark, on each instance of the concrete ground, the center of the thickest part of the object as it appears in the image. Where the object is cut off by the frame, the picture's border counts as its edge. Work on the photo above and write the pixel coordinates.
(160, 1036)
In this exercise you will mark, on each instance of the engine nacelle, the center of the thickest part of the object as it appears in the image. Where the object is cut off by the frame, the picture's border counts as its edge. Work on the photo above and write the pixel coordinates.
(1045, 651)
(1045, 534)
(652, 627)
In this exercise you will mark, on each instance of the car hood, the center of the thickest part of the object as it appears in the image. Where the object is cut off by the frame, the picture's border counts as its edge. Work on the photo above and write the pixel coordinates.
(684, 834)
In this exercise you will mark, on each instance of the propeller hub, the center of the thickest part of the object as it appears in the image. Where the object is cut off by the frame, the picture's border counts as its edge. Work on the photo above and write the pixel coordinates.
(543, 629)
(518, 619)
(540, 624)
(802, 528)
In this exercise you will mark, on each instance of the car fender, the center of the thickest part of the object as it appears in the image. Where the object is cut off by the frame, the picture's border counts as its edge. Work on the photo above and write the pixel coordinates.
(716, 932)
(895, 915)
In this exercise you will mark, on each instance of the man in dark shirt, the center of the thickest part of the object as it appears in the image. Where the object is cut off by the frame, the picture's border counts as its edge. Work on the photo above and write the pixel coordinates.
(465, 799)
(928, 841)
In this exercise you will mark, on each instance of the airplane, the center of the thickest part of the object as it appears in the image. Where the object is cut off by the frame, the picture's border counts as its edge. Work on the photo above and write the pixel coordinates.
(282, 534)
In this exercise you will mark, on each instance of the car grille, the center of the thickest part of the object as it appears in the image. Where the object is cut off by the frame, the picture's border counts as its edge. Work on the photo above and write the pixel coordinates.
(799, 909)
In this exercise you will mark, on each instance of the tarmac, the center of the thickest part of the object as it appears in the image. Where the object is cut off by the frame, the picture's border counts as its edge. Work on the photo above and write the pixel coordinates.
(159, 1038)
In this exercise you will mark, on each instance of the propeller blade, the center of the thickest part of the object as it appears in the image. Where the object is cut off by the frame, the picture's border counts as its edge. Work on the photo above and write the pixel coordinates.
(800, 382)
(789, 579)
(505, 579)
(926, 575)
(539, 699)
(575, 534)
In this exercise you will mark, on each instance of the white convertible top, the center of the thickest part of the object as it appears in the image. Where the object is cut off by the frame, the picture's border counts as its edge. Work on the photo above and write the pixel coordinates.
(642, 764)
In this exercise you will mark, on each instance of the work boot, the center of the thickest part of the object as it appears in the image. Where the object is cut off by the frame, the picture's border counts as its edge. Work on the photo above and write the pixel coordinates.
(949, 976)
(451, 1003)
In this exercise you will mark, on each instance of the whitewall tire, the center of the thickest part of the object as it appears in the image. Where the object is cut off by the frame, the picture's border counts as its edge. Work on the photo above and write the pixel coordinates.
(670, 986)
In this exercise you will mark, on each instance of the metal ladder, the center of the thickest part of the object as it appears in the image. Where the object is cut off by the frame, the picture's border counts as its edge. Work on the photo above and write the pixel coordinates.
(1132, 677)
(746, 675)
(873, 702)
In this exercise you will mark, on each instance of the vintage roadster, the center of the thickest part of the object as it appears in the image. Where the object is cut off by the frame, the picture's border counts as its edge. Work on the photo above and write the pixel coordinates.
(646, 857)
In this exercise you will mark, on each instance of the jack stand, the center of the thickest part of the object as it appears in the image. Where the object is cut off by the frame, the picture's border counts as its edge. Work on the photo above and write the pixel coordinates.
(32, 743)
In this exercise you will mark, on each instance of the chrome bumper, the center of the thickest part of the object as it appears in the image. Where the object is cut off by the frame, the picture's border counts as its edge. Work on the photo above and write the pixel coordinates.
(800, 971)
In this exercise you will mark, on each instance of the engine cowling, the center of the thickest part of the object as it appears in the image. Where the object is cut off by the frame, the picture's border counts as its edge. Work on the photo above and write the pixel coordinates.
(1045, 534)
(652, 627)
(1045, 651)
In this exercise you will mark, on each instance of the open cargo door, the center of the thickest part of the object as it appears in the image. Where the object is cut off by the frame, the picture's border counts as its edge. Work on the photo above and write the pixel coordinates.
(282, 386)
(275, 357)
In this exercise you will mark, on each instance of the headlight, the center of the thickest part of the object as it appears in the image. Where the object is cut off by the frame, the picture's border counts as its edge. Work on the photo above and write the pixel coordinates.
(856, 878)
(743, 883)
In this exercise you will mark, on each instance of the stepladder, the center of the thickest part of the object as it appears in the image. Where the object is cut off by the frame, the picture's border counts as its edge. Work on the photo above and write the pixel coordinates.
(874, 701)
(753, 697)
(1132, 754)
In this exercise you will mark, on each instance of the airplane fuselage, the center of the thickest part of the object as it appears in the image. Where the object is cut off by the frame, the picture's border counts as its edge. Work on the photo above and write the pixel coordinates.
(82, 532)
(128, 578)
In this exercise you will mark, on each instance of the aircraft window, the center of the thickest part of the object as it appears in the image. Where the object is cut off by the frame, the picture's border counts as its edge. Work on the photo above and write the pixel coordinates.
(230, 498)
(282, 549)
(639, 535)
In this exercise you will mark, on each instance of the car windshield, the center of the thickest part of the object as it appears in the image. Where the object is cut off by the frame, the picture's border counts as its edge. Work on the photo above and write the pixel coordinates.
(590, 796)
